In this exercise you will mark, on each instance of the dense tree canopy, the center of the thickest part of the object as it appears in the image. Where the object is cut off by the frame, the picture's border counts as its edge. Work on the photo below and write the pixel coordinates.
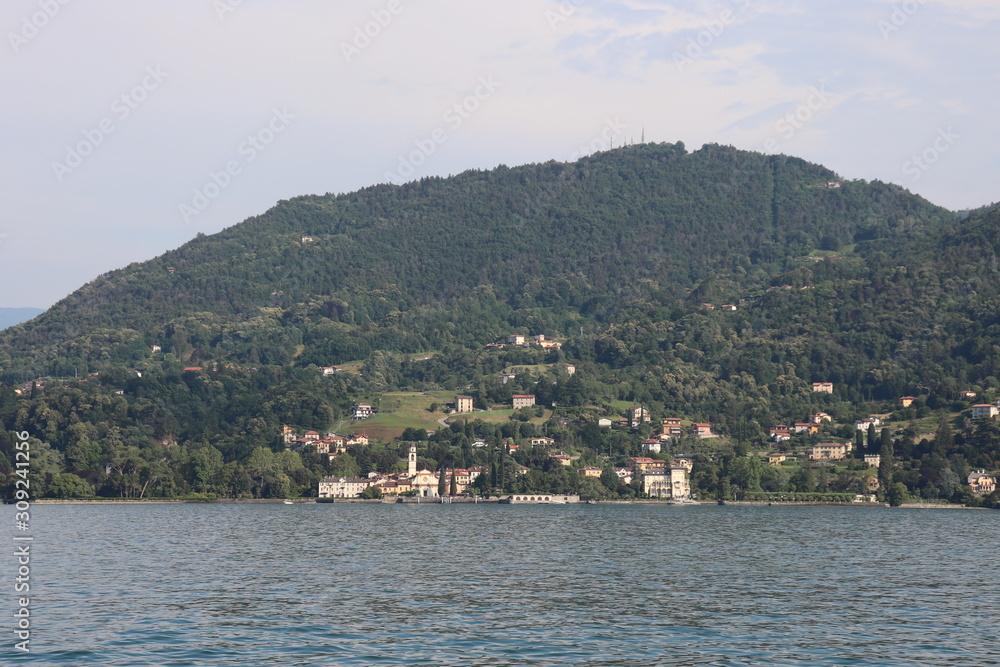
(617, 255)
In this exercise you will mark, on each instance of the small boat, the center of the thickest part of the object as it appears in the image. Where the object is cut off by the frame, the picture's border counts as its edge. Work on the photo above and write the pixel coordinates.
(288, 502)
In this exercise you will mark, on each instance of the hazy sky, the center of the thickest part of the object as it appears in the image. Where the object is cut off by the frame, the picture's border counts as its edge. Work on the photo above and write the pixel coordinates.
(129, 127)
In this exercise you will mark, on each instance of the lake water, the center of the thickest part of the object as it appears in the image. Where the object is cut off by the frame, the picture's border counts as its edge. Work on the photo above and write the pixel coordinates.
(344, 584)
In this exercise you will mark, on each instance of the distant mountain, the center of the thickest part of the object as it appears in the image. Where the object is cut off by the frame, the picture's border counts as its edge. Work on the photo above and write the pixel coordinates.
(11, 316)
(439, 262)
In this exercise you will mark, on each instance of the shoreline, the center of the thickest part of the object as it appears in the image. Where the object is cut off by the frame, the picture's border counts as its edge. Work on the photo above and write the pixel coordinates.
(467, 501)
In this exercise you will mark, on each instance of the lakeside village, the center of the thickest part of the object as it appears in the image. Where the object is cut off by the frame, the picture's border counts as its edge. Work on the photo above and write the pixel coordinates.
(654, 476)
(657, 475)
(499, 442)
(662, 468)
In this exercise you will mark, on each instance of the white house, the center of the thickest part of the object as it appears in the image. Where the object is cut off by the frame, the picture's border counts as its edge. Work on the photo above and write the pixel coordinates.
(343, 487)
(522, 401)
(984, 411)
(651, 445)
(362, 411)
(463, 404)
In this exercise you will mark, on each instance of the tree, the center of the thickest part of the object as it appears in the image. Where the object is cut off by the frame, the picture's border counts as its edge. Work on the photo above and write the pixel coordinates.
(885, 467)
(898, 494)
(279, 487)
(67, 485)
(344, 465)
(610, 479)
(725, 491)
(454, 485)
(206, 464)
(944, 438)
(746, 473)
(371, 493)
(592, 489)
(442, 483)
(804, 479)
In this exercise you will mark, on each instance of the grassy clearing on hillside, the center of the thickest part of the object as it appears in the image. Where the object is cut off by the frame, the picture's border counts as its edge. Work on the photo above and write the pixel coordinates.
(401, 410)
(355, 366)
(498, 416)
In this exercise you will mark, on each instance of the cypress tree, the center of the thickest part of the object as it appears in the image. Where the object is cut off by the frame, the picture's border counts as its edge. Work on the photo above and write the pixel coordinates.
(885, 467)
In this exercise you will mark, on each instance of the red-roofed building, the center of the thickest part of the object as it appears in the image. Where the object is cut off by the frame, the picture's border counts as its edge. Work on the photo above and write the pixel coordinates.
(702, 430)
(672, 426)
(984, 411)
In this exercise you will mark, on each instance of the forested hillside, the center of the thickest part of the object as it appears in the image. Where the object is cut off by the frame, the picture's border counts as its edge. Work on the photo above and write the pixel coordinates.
(456, 261)
(626, 257)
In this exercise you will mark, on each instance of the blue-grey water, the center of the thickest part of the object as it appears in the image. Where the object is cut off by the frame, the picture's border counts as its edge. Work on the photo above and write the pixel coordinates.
(346, 584)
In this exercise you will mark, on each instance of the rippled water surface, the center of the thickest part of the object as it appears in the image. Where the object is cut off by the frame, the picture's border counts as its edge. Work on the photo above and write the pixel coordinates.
(350, 584)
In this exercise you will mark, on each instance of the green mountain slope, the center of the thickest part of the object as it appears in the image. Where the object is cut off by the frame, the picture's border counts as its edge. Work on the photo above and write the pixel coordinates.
(626, 257)
(460, 260)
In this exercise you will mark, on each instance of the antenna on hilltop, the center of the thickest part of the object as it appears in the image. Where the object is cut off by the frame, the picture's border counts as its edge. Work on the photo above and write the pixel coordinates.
(643, 140)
